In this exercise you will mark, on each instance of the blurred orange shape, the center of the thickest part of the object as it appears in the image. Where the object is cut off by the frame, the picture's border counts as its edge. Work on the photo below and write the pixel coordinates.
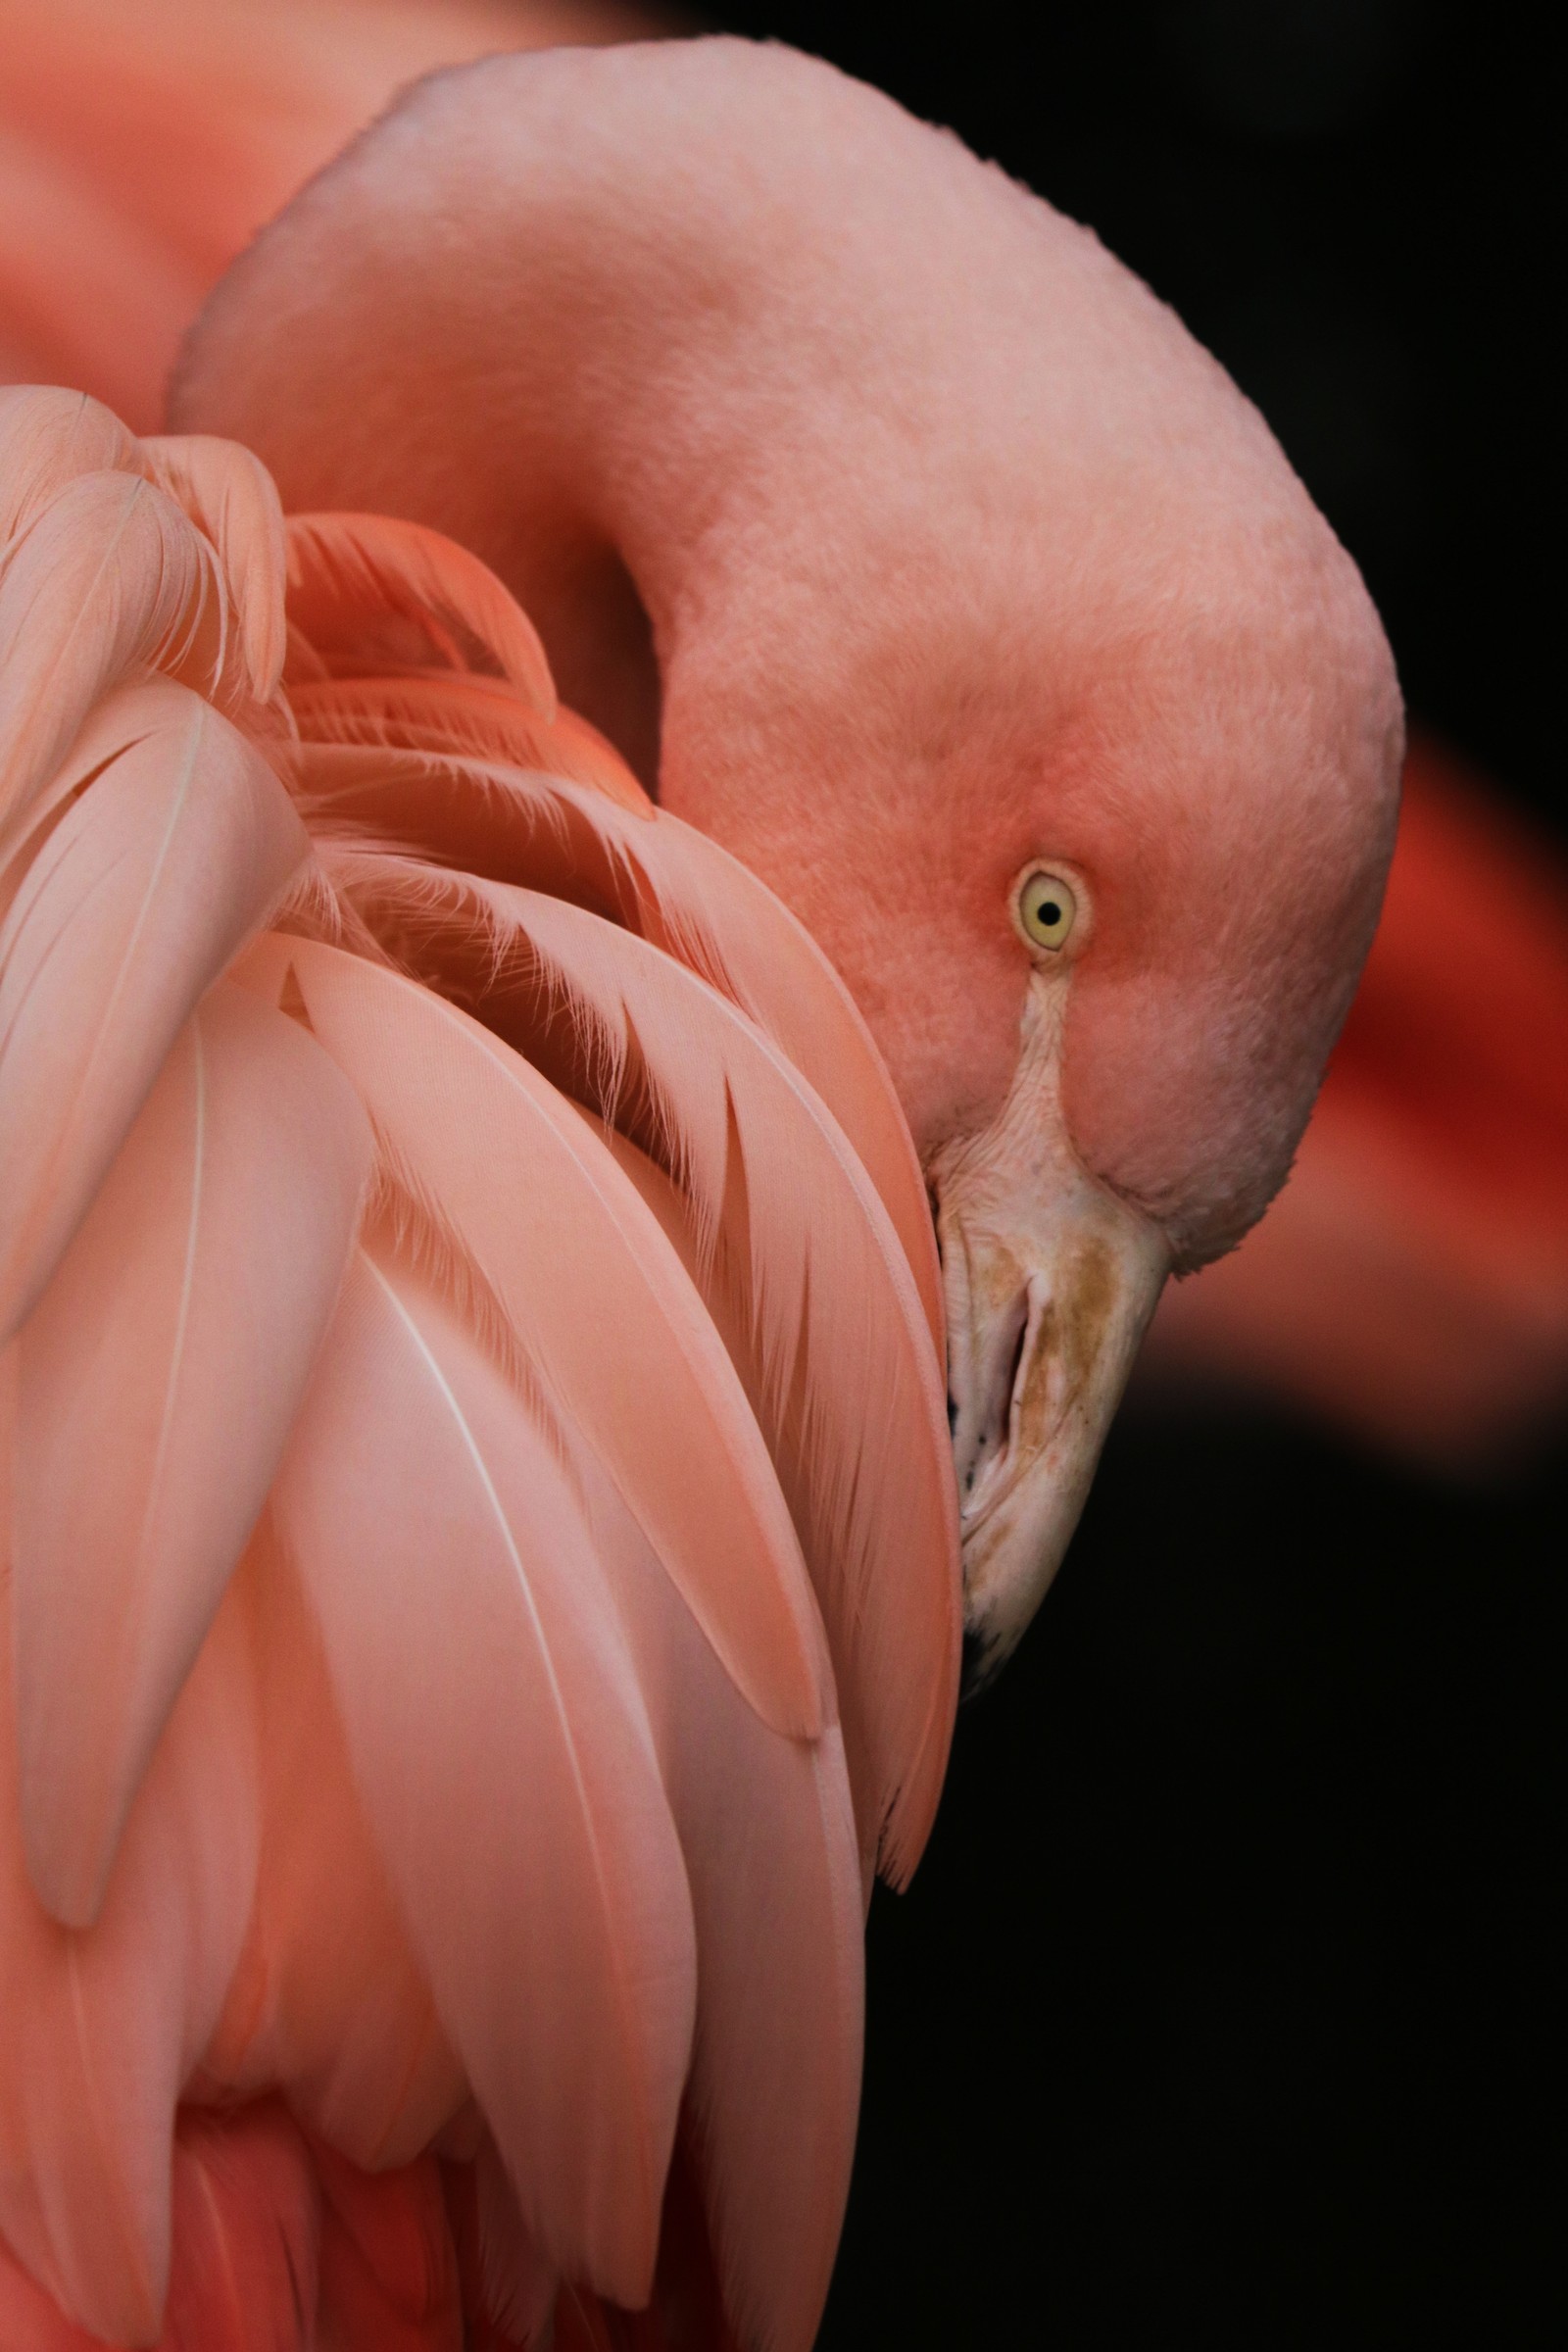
(1411, 1281)
(143, 143)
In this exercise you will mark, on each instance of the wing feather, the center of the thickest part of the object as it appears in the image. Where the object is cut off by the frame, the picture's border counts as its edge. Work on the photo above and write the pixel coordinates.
(328, 2004)
(138, 900)
(601, 1305)
(350, 574)
(48, 437)
(102, 2027)
(159, 1377)
(775, 1886)
(485, 1689)
(460, 716)
(791, 1243)
(111, 580)
(232, 500)
(559, 1612)
(466, 807)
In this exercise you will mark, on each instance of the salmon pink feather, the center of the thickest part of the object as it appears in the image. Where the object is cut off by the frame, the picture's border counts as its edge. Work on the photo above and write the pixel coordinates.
(471, 1513)
(482, 1576)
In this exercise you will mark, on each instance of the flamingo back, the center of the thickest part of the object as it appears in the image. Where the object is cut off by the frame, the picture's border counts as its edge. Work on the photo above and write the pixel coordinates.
(482, 1586)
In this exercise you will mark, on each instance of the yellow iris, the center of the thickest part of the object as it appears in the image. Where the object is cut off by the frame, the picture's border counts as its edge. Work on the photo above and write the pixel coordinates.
(1048, 908)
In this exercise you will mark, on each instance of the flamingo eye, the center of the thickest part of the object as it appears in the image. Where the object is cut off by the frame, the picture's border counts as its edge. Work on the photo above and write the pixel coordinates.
(1046, 910)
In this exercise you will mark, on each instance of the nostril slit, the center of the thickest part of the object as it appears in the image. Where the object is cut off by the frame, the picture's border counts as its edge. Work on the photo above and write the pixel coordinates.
(991, 1438)
(1016, 1368)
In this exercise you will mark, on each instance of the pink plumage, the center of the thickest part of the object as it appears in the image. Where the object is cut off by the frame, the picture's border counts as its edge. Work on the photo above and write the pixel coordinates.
(485, 1574)
(525, 1493)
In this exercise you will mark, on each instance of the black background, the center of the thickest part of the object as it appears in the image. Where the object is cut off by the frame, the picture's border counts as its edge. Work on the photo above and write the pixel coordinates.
(1223, 2010)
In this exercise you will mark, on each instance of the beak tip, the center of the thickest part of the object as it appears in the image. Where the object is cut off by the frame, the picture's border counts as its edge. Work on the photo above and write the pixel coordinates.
(1050, 1279)
(984, 1657)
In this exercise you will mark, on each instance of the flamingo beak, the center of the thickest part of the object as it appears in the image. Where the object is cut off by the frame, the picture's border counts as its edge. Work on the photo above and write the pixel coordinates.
(1050, 1279)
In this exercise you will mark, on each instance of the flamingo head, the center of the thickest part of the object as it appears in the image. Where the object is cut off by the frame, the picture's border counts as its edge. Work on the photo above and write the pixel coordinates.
(919, 554)
(1092, 812)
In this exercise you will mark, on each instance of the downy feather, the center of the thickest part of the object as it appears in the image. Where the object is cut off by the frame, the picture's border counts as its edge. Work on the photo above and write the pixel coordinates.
(158, 1380)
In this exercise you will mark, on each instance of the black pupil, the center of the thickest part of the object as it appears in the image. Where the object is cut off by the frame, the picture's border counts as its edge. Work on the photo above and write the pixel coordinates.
(1049, 913)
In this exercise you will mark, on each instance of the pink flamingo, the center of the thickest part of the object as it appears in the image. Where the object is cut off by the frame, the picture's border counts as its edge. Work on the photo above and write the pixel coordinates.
(140, 149)
(485, 1583)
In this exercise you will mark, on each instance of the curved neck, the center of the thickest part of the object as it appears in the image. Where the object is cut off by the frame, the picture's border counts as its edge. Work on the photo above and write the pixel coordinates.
(518, 310)
(880, 515)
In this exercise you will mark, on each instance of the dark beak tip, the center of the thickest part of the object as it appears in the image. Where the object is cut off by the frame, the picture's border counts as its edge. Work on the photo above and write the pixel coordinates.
(982, 1663)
